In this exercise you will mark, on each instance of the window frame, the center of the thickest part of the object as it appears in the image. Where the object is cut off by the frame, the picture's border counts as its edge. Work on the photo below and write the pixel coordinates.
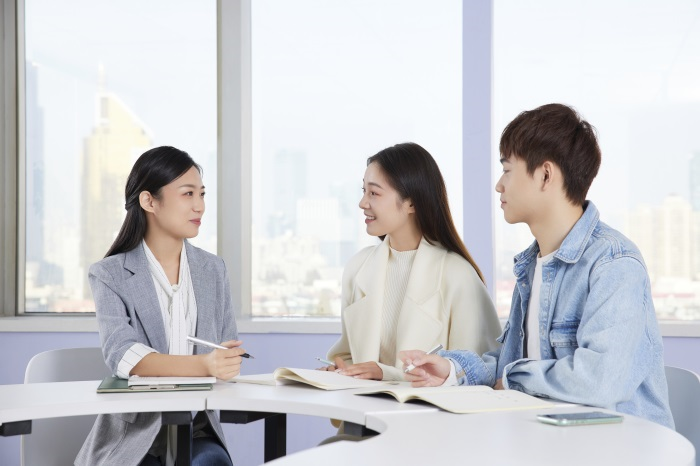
(235, 168)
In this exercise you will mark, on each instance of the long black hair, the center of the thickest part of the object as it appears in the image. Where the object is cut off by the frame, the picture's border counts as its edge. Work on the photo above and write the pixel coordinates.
(413, 173)
(154, 169)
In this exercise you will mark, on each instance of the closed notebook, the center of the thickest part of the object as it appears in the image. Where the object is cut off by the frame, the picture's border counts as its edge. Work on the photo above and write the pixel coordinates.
(114, 384)
(324, 380)
(464, 399)
(136, 380)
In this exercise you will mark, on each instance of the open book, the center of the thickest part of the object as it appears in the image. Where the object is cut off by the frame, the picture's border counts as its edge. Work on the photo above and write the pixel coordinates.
(319, 379)
(464, 399)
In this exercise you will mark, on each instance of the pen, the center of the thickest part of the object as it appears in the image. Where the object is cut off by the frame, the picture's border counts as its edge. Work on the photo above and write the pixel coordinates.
(199, 341)
(326, 361)
(432, 351)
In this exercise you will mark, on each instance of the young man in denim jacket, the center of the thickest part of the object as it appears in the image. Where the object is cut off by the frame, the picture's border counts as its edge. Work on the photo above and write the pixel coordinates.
(582, 326)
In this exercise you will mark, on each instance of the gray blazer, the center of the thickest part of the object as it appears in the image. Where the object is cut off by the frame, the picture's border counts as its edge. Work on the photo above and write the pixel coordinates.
(128, 312)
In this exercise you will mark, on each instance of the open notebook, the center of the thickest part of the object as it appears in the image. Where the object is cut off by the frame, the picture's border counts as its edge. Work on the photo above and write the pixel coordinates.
(320, 379)
(463, 399)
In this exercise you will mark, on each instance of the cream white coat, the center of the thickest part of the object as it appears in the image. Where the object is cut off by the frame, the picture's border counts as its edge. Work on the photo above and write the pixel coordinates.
(445, 303)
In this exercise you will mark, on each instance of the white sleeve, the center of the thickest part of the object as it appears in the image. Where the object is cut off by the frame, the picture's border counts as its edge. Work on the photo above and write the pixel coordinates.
(452, 378)
(132, 357)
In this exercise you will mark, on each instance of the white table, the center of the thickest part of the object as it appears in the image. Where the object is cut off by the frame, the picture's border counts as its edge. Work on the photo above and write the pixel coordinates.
(503, 438)
(409, 433)
(422, 434)
(22, 403)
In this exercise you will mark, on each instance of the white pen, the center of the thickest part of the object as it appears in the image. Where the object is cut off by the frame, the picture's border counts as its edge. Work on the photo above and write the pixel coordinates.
(199, 341)
(326, 361)
(432, 351)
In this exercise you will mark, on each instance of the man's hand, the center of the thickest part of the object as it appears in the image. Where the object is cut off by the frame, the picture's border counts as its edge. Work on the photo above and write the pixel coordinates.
(430, 370)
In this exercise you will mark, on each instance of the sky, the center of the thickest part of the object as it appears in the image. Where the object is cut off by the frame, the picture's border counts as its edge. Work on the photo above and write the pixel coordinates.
(631, 68)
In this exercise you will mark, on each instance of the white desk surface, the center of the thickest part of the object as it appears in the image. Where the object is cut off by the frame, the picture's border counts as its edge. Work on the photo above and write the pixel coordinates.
(303, 399)
(409, 433)
(60, 399)
(502, 438)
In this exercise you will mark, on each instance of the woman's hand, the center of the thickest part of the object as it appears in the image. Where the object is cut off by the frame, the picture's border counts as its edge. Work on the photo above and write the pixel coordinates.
(430, 370)
(225, 364)
(364, 370)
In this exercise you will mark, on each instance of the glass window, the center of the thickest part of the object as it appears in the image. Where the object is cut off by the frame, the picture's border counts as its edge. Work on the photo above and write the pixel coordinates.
(333, 83)
(103, 82)
(632, 69)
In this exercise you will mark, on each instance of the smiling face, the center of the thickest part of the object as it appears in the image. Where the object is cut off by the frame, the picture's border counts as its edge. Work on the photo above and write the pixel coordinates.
(385, 212)
(178, 211)
(521, 194)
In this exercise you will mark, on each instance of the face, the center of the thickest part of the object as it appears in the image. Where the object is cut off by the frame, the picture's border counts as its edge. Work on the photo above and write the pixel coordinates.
(178, 212)
(385, 212)
(521, 193)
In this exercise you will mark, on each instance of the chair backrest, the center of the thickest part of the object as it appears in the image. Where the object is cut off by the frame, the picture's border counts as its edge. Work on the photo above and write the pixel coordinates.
(684, 398)
(57, 441)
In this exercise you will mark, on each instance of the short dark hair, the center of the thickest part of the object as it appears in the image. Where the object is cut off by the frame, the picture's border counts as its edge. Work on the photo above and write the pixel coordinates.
(414, 174)
(555, 133)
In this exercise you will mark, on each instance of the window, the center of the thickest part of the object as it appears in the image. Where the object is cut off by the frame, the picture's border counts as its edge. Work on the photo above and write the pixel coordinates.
(103, 82)
(334, 83)
(633, 70)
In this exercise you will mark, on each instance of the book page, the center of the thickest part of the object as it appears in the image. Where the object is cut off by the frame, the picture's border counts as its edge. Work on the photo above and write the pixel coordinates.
(261, 379)
(136, 380)
(465, 399)
(326, 380)
(482, 401)
(404, 392)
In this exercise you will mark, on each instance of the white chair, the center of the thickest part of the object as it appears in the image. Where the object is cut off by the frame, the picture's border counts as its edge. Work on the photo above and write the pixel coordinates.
(57, 441)
(684, 398)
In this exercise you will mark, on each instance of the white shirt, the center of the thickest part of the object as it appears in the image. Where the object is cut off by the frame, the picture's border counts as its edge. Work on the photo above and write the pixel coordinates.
(532, 319)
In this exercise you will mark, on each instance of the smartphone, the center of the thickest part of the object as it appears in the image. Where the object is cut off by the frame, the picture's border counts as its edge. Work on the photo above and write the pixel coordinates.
(577, 419)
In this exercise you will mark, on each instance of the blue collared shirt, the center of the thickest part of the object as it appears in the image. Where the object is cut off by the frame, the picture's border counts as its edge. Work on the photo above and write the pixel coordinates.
(599, 338)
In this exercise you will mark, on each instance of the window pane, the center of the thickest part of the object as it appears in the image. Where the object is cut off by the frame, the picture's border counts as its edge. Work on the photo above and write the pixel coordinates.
(632, 69)
(104, 81)
(333, 83)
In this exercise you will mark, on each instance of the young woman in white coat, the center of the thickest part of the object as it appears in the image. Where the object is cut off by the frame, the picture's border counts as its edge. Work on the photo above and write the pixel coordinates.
(420, 286)
(151, 291)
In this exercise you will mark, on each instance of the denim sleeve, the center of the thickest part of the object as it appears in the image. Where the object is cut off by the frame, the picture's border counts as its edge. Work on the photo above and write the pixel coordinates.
(609, 363)
(473, 369)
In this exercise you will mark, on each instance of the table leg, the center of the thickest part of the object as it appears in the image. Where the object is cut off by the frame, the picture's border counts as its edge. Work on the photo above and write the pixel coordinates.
(275, 437)
(183, 421)
(275, 429)
(357, 430)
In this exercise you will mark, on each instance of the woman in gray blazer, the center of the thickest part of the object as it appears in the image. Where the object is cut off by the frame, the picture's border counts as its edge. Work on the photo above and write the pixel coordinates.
(151, 291)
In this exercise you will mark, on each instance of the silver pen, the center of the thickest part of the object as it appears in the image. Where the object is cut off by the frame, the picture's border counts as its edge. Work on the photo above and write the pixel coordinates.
(432, 351)
(199, 341)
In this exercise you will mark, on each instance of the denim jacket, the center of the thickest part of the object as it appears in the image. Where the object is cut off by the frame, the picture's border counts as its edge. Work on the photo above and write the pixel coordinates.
(599, 339)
